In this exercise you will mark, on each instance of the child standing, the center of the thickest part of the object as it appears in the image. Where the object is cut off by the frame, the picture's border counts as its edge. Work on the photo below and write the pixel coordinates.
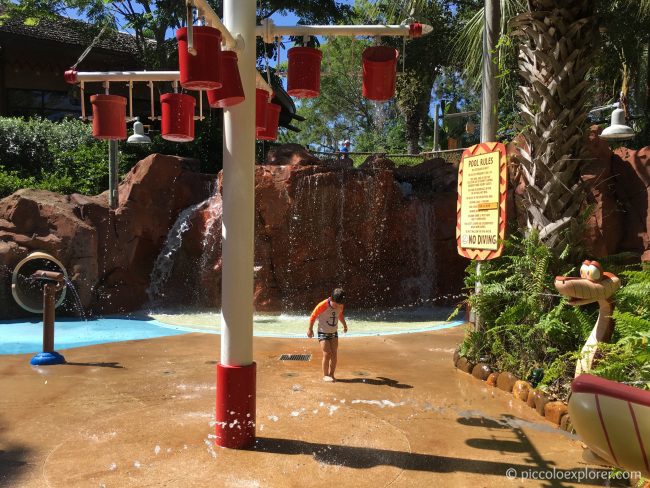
(328, 313)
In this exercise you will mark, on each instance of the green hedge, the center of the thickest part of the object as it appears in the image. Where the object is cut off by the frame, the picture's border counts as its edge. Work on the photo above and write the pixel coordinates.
(64, 157)
(61, 157)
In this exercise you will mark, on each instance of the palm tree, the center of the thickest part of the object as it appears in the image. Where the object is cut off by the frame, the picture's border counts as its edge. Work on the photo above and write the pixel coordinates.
(556, 47)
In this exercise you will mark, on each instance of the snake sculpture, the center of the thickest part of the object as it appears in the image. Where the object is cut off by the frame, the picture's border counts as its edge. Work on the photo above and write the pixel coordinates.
(594, 285)
(612, 419)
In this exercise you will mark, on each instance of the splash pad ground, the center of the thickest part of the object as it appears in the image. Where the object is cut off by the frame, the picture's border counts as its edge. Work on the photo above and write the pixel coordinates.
(141, 413)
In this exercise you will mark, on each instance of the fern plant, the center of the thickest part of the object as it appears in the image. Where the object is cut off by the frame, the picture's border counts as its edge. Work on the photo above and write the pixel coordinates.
(628, 359)
(526, 324)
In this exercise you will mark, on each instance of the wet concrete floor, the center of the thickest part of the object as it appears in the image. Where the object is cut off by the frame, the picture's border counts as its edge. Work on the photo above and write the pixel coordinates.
(141, 413)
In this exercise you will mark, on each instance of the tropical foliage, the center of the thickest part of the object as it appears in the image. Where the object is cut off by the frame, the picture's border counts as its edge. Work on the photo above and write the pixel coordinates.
(65, 158)
(525, 323)
(528, 326)
(627, 359)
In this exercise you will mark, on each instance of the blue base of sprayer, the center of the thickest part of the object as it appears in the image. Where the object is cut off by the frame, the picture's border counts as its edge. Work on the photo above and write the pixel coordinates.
(47, 359)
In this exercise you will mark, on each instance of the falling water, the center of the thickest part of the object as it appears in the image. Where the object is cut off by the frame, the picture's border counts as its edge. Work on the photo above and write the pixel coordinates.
(77, 301)
(340, 232)
(165, 261)
(209, 247)
(423, 282)
(294, 228)
(376, 207)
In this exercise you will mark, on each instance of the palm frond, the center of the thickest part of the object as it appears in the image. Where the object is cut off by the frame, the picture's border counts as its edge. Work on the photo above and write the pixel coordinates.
(468, 45)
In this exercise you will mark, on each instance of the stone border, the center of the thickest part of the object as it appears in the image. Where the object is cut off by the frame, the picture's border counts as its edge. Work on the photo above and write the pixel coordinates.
(554, 411)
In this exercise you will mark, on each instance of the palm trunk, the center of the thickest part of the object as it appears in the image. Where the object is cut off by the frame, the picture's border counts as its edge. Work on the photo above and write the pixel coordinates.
(555, 54)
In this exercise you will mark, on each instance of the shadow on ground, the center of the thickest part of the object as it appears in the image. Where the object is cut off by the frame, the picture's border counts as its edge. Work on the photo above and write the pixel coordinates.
(379, 381)
(97, 365)
(365, 458)
(13, 461)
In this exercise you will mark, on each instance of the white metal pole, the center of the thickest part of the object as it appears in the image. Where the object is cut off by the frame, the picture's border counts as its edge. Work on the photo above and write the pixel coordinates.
(489, 97)
(239, 198)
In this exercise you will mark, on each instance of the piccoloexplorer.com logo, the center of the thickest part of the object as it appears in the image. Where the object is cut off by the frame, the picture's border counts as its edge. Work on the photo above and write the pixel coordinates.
(578, 475)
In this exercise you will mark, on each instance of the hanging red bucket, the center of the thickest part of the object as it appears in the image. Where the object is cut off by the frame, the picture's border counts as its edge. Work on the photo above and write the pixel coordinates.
(379, 72)
(203, 71)
(303, 78)
(261, 103)
(270, 131)
(109, 116)
(177, 122)
(232, 92)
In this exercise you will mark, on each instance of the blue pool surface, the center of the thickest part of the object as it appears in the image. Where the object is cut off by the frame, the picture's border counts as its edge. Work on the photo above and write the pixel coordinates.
(27, 337)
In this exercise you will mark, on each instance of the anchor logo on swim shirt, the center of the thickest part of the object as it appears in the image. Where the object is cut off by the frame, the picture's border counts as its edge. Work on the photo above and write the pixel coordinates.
(333, 319)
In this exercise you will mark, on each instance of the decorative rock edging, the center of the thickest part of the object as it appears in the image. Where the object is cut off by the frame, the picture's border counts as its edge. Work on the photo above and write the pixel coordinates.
(553, 411)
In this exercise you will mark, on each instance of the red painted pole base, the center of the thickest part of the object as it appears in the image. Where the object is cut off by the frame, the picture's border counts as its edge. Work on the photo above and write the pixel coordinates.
(235, 412)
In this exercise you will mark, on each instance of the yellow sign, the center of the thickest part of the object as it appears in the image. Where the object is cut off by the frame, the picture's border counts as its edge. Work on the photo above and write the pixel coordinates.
(480, 191)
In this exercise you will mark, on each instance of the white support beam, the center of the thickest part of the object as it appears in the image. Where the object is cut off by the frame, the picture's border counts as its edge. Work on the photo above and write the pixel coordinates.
(269, 31)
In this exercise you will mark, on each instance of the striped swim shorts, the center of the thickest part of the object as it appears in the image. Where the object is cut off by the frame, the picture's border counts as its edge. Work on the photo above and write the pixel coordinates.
(325, 336)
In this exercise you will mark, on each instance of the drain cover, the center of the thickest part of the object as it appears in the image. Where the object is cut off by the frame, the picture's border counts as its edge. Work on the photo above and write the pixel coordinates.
(295, 357)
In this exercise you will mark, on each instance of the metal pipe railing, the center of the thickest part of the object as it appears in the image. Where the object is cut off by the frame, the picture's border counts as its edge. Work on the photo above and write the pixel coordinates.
(269, 31)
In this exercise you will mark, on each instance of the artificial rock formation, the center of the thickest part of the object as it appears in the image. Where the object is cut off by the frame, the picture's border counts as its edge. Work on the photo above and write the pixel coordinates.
(385, 233)
(108, 255)
(387, 238)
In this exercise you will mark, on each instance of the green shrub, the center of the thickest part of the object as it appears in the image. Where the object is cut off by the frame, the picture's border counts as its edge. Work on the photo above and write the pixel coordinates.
(11, 182)
(526, 324)
(628, 358)
(65, 158)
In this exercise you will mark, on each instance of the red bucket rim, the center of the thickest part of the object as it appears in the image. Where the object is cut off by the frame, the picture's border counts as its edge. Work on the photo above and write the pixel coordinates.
(385, 53)
(108, 98)
(305, 50)
(182, 96)
(204, 30)
(179, 137)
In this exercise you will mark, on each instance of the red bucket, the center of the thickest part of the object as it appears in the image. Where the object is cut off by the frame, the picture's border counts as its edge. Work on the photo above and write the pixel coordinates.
(177, 123)
(232, 92)
(203, 71)
(379, 72)
(109, 116)
(303, 78)
(261, 102)
(270, 131)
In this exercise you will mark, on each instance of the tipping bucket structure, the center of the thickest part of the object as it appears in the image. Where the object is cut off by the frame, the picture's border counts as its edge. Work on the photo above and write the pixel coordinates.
(109, 116)
(261, 103)
(203, 71)
(303, 78)
(270, 131)
(232, 92)
(177, 122)
(379, 72)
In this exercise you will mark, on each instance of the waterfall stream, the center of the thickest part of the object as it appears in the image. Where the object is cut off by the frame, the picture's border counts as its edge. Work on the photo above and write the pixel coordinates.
(165, 261)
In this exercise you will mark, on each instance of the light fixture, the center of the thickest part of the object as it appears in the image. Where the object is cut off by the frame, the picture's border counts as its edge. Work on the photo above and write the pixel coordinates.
(617, 130)
(470, 127)
(138, 136)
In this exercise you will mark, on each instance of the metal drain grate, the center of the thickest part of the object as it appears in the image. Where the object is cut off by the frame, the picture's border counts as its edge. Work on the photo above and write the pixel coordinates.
(295, 357)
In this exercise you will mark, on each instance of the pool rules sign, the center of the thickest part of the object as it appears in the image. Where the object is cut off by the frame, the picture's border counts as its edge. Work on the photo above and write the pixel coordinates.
(481, 206)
